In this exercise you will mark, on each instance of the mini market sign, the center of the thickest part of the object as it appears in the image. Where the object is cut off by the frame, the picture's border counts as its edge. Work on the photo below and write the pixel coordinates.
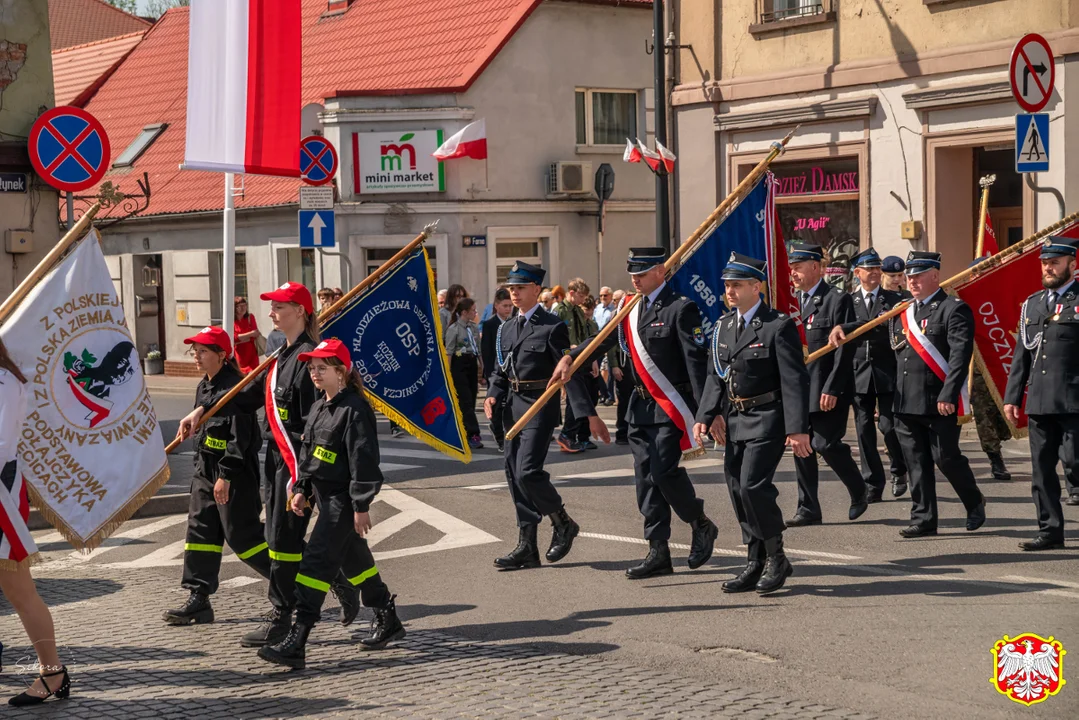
(395, 161)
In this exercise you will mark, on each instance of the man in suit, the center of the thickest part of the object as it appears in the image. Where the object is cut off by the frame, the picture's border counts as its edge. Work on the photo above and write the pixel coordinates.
(830, 387)
(933, 341)
(667, 339)
(501, 309)
(527, 348)
(756, 400)
(1046, 368)
(874, 378)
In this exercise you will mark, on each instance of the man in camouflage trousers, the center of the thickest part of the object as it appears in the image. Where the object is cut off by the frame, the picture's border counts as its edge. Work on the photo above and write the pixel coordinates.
(992, 427)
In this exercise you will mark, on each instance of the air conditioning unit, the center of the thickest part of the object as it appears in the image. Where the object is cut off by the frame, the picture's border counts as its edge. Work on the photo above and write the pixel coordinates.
(569, 178)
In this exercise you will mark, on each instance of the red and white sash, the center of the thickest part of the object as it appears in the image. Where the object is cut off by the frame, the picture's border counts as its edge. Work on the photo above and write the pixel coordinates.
(659, 387)
(932, 357)
(277, 427)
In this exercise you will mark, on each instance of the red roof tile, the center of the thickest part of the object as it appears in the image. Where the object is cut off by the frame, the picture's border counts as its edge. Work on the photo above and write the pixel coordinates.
(77, 22)
(79, 70)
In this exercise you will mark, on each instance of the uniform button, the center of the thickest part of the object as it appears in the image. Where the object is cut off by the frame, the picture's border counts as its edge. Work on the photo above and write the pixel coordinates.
(904, 372)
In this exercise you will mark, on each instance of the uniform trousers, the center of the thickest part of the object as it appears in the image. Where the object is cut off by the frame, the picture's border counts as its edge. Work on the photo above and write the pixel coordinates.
(465, 372)
(497, 428)
(929, 440)
(750, 467)
(573, 427)
(334, 548)
(826, 430)
(534, 496)
(865, 405)
(1051, 436)
(661, 484)
(623, 389)
(210, 525)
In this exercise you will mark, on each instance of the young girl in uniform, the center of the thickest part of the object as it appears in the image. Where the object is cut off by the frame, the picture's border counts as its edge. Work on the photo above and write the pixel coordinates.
(338, 465)
(462, 345)
(225, 503)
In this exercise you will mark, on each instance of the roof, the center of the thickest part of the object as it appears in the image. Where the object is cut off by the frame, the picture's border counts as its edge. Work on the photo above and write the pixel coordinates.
(377, 47)
(79, 70)
(77, 22)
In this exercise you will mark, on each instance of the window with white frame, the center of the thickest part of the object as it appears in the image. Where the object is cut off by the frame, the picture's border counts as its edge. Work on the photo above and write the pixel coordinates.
(606, 117)
(217, 279)
(510, 250)
(139, 145)
(776, 10)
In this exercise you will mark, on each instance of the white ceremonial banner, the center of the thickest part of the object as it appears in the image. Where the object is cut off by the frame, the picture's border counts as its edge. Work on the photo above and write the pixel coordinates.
(91, 451)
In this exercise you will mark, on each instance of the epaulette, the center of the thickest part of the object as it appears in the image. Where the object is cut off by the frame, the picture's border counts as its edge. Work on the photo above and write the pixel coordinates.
(728, 314)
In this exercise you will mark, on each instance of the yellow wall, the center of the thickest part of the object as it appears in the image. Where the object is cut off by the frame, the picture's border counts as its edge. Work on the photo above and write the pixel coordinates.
(26, 22)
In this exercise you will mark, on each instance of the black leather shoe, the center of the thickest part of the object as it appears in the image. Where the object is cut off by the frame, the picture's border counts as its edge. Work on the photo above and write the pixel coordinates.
(976, 517)
(996, 464)
(60, 693)
(196, 610)
(290, 652)
(917, 531)
(873, 494)
(348, 595)
(703, 543)
(525, 555)
(1042, 542)
(800, 520)
(657, 562)
(274, 630)
(1072, 500)
(747, 580)
(565, 529)
(858, 507)
(621, 441)
(899, 485)
(385, 628)
(777, 568)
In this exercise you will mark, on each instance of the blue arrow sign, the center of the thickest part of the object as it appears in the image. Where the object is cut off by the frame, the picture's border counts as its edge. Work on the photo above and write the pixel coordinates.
(317, 229)
(1032, 143)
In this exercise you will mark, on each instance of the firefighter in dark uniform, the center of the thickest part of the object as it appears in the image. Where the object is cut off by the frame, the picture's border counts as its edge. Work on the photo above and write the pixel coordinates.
(527, 348)
(756, 401)
(225, 503)
(671, 335)
(926, 407)
(874, 378)
(831, 387)
(1046, 368)
(502, 309)
(293, 395)
(338, 466)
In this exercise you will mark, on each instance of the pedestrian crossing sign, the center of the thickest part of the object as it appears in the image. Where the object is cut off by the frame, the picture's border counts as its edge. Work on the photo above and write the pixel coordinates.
(1032, 143)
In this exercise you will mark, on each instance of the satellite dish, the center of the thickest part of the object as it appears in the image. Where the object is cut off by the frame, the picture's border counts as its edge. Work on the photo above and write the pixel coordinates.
(309, 122)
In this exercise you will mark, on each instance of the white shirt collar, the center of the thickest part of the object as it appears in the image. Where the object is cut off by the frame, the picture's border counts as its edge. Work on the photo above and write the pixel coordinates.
(528, 315)
(655, 293)
(871, 293)
(751, 312)
(813, 290)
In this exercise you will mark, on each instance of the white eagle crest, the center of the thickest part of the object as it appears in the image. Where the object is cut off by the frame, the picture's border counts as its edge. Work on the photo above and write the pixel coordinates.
(1028, 673)
(413, 285)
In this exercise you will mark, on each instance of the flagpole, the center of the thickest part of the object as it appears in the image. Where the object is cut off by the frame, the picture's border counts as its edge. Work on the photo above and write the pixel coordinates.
(46, 263)
(994, 260)
(228, 259)
(680, 256)
(322, 318)
(979, 248)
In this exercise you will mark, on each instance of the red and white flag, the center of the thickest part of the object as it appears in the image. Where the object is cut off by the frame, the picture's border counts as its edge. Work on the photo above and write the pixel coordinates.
(990, 246)
(243, 87)
(667, 156)
(632, 154)
(651, 158)
(470, 142)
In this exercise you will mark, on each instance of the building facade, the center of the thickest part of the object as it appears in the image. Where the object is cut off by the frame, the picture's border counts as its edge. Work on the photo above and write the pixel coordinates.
(903, 105)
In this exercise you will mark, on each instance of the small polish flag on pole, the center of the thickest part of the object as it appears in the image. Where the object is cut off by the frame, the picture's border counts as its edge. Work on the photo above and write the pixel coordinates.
(632, 154)
(651, 158)
(667, 155)
(470, 142)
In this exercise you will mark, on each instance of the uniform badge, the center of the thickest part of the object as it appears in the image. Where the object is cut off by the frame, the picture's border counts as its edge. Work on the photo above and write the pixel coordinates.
(1028, 669)
(656, 324)
(756, 322)
(698, 336)
(816, 300)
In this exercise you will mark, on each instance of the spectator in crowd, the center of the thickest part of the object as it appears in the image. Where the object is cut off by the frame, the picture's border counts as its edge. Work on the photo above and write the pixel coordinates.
(546, 299)
(575, 436)
(325, 299)
(442, 298)
(503, 308)
(605, 308)
(338, 293)
(490, 309)
(559, 295)
(245, 337)
(462, 345)
(454, 294)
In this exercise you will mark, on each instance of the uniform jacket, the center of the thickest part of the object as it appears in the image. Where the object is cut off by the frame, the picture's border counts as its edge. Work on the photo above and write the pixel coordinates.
(226, 447)
(949, 325)
(530, 353)
(575, 320)
(1050, 372)
(488, 336)
(672, 333)
(339, 450)
(767, 357)
(833, 374)
(874, 359)
(457, 338)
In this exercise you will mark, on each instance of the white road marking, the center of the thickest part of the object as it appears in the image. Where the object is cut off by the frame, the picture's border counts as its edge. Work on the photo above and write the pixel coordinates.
(430, 454)
(700, 464)
(1040, 581)
(238, 582)
(125, 537)
(502, 485)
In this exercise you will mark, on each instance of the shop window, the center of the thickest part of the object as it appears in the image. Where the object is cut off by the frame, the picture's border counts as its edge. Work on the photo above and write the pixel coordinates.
(217, 280)
(606, 117)
(374, 257)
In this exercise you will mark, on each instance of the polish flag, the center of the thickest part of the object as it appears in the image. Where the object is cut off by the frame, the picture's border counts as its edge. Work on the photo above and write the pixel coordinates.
(652, 158)
(667, 156)
(243, 87)
(470, 142)
(632, 154)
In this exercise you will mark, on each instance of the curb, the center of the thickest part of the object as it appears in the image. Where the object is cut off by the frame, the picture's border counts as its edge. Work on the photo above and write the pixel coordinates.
(156, 506)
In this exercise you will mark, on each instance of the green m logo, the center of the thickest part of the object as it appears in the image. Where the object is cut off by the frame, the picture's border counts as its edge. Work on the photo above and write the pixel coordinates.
(393, 154)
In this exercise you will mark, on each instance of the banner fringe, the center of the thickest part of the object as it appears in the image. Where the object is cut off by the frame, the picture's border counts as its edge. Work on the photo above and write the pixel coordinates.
(994, 392)
(12, 565)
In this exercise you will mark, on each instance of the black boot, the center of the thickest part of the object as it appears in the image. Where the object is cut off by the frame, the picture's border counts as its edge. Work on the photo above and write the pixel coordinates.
(565, 529)
(348, 595)
(996, 464)
(705, 533)
(290, 652)
(777, 568)
(273, 631)
(657, 562)
(747, 580)
(525, 555)
(385, 628)
(195, 611)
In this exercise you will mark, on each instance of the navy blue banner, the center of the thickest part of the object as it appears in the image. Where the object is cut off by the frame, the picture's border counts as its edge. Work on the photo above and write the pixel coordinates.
(393, 332)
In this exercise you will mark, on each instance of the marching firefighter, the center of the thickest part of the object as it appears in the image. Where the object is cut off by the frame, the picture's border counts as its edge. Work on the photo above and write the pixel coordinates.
(225, 503)
(338, 466)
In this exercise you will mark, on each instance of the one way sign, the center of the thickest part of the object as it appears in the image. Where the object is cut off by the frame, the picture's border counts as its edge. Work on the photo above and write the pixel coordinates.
(1032, 143)
(317, 229)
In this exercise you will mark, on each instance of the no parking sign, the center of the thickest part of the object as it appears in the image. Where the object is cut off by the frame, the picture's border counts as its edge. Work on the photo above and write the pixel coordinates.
(69, 149)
